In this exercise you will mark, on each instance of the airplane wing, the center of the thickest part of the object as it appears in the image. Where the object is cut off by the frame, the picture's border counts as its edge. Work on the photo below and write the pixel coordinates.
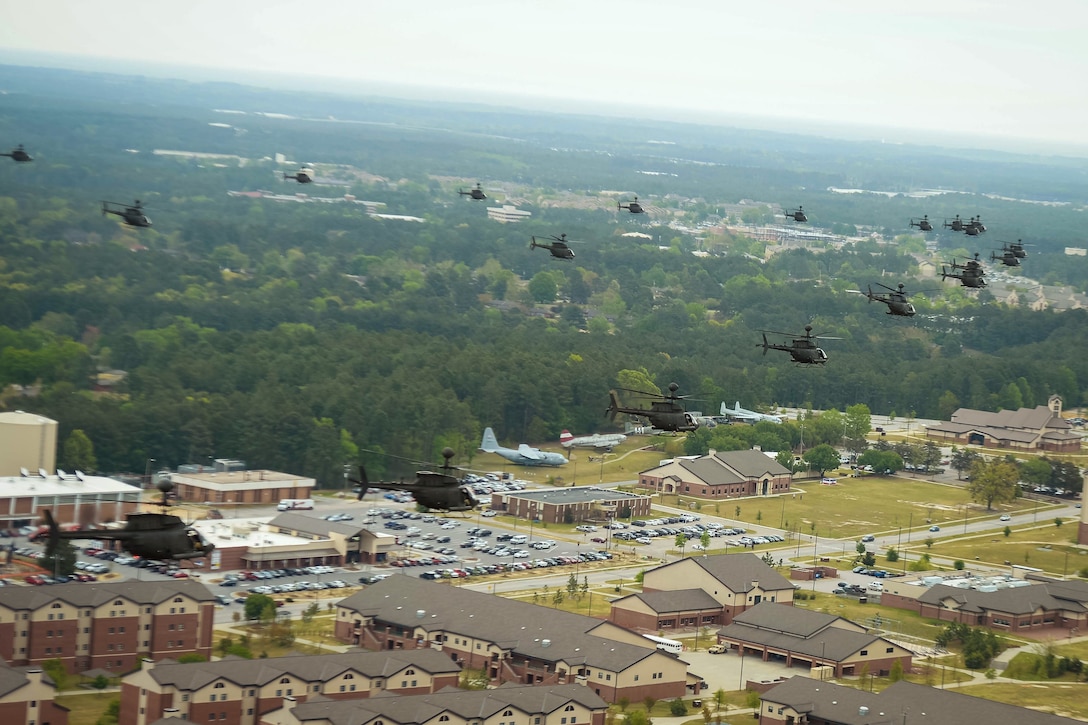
(529, 452)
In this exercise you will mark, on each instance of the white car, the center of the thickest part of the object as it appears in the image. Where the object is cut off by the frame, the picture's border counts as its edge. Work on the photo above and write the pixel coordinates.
(1005, 517)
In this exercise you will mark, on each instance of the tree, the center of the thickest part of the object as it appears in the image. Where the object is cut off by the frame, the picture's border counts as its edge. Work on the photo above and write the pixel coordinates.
(543, 287)
(962, 460)
(256, 604)
(704, 539)
(993, 482)
(60, 557)
(858, 422)
(892, 555)
(78, 452)
(868, 558)
(822, 458)
(681, 542)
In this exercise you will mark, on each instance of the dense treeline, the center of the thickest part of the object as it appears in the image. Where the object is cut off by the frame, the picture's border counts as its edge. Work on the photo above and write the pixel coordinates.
(290, 335)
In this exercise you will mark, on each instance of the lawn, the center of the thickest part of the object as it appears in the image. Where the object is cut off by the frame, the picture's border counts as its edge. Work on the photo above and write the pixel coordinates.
(894, 622)
(847, 510)
(1064, 698)
(1046, 546)
(85, 707)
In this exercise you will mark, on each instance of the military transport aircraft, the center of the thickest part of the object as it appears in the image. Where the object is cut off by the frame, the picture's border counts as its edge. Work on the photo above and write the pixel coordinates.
(597, 440)
(523, 455)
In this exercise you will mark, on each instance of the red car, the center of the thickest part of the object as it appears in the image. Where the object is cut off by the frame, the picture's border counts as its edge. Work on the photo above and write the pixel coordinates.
(34, 579)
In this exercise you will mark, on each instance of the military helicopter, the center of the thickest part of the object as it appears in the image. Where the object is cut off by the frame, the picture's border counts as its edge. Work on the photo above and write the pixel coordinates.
(1007, 256)
(977, 225)
(305, 175)
(148, 535)
(1017, 248)
(895, 299)
(441, 491)
(804, 350)
(664, 413)
(632, 206)
(955, 225)
(19, 154)
(558, 247)
(798, 214)
(132, 215)
(923, 224)
(476, 194)
(972, 274)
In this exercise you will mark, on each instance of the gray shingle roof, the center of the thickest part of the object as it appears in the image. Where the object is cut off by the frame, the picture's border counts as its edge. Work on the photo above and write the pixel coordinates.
(738, 571)
(314, 525)
(679, 600)
(1020, 600)
(842, 705)
(311, 668)
(753, 464)
(466, 704)
(787, 628)
(525, 629)
(93, 595)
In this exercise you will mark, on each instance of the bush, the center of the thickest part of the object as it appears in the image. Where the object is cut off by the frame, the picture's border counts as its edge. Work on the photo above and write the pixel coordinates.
(892, 555)
(958, 565)
(677, 708)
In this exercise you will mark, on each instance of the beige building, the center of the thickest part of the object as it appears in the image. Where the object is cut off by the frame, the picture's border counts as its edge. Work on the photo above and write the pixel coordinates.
(1041, 428)
(28, 442)
(235, 487)
(71, 497)
(551, 705)
(511, 641)
(703, 590)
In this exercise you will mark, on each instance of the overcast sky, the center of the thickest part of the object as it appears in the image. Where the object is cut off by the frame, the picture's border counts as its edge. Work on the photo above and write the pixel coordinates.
(1009, 68)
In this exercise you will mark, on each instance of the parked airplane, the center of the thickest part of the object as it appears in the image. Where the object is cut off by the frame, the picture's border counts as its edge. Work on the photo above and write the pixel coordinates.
(524, 455)
(597, 440)
(748, 416)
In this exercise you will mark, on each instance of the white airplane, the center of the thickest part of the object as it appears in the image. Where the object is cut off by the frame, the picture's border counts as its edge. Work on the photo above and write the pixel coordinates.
(597, 440)
(524, 455)
(748, 416)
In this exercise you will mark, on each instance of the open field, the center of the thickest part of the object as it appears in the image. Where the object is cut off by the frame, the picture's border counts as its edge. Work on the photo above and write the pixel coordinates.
(1065, 698)
(1046, 546)
(872, 505)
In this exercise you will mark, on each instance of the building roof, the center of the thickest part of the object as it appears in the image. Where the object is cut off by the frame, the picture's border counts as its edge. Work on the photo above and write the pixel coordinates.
(752, 463)
(532, 631)
(722, 468)
(91, 488)
(311, 668)
(294, 521)
(678, 600)
(574, 494)
(1018, 600)
(902, 701)
(465, 704)
(738, 571)
(242, 480)
(790, 629)
(81, 595)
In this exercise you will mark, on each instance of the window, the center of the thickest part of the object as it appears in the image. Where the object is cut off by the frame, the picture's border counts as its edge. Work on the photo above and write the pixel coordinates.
(444, 718)
(864, 652)
(185, 697)
(285, 681)
(890, 650)
(508, 713)
(219, 686)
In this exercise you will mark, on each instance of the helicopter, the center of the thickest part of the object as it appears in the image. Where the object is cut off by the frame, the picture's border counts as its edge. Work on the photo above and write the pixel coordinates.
(558, 247)
(439, 491)
(895, 299)
(973, 275)
(955, 225)
(977, 225)
(132, 215)
(19, 154)
(1007, 256)
(476, 194)
(798, 214)
(305, 175)
(632, 206)
(148, 535)
(664, 413)
(923, 224)
(1017, 248)
(804, 350)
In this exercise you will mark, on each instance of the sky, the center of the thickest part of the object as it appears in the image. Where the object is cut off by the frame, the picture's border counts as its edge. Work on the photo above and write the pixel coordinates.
(973, 68)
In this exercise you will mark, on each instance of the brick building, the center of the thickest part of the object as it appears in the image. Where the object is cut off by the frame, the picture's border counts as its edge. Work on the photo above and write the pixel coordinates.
(720, 475)
(581, 503)
(26, 696)
(803, 638)
(70, 497)
(801, 700)
(237, 487)
(1045, 607)
(511, 641)
(541, 705)
(708, 590)
(239, 691)
(1041, 428)
(110, 626)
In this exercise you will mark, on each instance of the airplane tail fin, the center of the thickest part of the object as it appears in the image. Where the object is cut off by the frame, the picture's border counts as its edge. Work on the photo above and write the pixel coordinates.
(724, 409)
(565, 436)
(490, 443)
(613, 405)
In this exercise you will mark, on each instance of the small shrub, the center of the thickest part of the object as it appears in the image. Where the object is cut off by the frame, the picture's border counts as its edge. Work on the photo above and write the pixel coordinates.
(958, 565)
(677, 708)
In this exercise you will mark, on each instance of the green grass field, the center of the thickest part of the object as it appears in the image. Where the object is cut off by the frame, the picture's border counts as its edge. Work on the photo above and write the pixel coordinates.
(1065, 698)
(86, 707)
(1046, 546)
